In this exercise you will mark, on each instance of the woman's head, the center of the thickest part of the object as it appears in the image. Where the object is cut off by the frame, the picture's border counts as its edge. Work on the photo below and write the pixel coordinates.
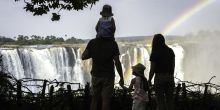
(158, 42)
(106, 11)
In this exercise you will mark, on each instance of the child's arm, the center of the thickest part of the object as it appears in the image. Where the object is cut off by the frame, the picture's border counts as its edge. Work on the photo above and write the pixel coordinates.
(130, 88)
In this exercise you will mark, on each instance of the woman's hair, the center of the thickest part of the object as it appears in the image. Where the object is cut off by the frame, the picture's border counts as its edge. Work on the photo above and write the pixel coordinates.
(158, 42)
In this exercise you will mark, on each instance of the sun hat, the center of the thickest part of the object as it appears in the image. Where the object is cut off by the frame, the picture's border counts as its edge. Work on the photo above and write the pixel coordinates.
(106, 11)
(139, 69)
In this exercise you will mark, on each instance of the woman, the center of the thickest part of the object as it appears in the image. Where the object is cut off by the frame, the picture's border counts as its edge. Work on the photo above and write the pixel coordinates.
(162, 60)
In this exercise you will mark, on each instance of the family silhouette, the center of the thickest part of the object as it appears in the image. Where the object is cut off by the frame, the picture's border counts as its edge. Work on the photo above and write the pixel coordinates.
(104, 52)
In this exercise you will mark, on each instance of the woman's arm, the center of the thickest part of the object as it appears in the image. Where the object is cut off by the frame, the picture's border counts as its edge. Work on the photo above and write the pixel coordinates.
(152, 71)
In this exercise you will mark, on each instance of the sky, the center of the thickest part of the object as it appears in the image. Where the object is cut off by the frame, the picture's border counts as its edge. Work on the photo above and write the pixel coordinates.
(132, 18)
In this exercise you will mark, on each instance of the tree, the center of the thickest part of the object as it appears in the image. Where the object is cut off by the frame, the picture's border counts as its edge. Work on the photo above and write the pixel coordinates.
(4, 40)
(40, 7)
(22, 40)
(73, 40)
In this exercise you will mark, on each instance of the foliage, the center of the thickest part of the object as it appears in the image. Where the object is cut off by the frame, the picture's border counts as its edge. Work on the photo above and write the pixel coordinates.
(73, 40)
(40, 7)
(4, 40)
(67, 99)
(35, 40)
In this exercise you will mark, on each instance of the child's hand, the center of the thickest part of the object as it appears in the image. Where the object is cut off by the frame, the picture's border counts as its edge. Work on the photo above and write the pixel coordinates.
(125, 88)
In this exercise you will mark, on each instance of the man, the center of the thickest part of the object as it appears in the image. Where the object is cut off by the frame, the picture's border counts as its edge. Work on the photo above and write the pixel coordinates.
(105, 56)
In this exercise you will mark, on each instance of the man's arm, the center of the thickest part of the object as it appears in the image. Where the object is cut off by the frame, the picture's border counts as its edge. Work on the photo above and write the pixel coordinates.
(130, 88)
(119, 69)
(85, 55)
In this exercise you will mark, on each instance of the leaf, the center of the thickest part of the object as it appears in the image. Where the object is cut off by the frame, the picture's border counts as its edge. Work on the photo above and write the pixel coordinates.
(55, 17)
(40, 7)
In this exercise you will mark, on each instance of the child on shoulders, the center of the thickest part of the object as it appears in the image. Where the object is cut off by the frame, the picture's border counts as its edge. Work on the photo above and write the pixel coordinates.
(105, 27)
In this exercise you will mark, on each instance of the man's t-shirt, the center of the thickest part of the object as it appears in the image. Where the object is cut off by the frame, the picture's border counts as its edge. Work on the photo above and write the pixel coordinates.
(102, 52)
(164, 60)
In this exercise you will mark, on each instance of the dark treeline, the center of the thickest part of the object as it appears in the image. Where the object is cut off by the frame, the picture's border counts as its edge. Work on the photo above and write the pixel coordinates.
(34, 40)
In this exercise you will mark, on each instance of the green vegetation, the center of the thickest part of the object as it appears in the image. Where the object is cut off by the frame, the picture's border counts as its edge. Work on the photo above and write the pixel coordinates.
(40, 7)
(35, 40)
(4, 40)
(14, 98)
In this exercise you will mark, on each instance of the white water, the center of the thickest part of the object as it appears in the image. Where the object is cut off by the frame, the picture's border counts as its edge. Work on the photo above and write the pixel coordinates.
(64, 63)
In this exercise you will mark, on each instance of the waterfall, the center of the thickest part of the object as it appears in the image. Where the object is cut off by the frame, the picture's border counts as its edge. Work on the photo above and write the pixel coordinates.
(179, 55)
(12, 63)
(64, 63)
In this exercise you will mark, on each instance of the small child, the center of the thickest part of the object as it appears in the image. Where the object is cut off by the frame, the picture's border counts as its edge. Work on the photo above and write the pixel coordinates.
(140, 84)
(105, 27)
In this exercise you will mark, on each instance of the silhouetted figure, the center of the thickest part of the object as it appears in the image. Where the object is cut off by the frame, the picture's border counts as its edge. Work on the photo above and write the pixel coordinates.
(140, 84)
(106, 24)
(162, 60)
(105, 53)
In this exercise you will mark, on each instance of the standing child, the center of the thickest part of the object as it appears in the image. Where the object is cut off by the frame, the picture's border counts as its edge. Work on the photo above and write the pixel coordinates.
(105, 27)
(140, 84)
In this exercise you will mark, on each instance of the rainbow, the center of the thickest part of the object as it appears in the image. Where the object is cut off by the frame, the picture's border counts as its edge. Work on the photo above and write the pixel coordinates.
(186, 15)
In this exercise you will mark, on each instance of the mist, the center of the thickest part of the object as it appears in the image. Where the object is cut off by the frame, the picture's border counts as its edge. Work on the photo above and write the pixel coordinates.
(201, 57)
